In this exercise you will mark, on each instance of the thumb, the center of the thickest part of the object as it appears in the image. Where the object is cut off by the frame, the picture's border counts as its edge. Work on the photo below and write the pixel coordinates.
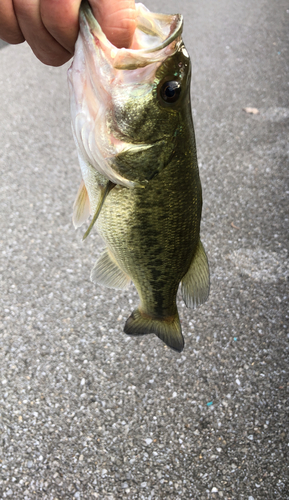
(117, 19)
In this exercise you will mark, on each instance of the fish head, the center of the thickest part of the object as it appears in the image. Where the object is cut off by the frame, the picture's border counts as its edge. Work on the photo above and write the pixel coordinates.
(126, 104)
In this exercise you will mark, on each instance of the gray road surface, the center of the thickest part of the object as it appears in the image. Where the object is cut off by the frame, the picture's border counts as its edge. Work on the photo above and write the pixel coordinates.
(87, 412)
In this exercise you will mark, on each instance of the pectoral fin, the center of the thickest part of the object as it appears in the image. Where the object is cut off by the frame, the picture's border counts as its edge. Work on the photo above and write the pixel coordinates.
(103, 194)
(196, 282)
(81, 207)
(106, 272)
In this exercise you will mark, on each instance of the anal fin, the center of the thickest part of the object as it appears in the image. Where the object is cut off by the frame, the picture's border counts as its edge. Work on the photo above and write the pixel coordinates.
(196, 282)
(167, 329)
(81, 206)
(106, 272)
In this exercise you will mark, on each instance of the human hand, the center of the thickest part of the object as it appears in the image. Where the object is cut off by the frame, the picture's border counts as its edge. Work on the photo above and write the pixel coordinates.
(51, 26)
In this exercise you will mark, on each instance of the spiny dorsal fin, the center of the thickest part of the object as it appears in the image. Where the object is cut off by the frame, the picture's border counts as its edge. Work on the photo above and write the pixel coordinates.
(103, 194)
(196, 282)
(106, 272)
(167, 329)
(81, 206)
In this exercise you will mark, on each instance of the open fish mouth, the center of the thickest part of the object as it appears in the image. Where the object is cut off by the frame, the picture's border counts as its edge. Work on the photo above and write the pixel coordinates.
(102, 76)
(153, 34)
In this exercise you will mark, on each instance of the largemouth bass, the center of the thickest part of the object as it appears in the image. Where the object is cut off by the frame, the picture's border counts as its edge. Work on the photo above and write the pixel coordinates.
(133, 128)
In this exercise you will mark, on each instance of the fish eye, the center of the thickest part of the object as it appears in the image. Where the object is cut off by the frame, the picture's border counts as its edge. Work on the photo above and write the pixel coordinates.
(170, 91)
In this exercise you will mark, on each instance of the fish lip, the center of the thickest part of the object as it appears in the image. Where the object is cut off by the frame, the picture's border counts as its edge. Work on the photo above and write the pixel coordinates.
(134, 58)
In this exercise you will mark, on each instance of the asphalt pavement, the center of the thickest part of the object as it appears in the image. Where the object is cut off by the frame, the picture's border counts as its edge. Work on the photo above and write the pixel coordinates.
(88, 412)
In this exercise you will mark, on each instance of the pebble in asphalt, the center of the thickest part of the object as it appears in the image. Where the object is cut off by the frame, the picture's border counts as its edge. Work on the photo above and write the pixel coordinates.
(87, 412)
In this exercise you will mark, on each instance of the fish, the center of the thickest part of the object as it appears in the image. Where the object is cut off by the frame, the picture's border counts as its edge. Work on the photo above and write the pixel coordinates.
(133, 129)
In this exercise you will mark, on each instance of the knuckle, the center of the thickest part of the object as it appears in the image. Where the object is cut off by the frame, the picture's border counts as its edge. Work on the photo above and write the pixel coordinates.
(52, 58)
(12, 38)
(10, 31)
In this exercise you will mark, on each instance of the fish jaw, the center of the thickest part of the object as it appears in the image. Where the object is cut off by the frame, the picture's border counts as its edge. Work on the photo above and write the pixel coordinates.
(101, 75)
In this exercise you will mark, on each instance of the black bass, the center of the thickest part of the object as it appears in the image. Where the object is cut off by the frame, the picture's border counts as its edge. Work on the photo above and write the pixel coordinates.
(133, 128)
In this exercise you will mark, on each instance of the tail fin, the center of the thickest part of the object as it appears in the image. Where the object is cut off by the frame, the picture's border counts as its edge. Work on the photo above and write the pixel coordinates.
(167, 329)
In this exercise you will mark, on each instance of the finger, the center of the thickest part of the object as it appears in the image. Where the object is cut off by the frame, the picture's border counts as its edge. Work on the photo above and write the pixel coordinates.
(117, 19)
(9, 27)
(44, 46)
(60, 17)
